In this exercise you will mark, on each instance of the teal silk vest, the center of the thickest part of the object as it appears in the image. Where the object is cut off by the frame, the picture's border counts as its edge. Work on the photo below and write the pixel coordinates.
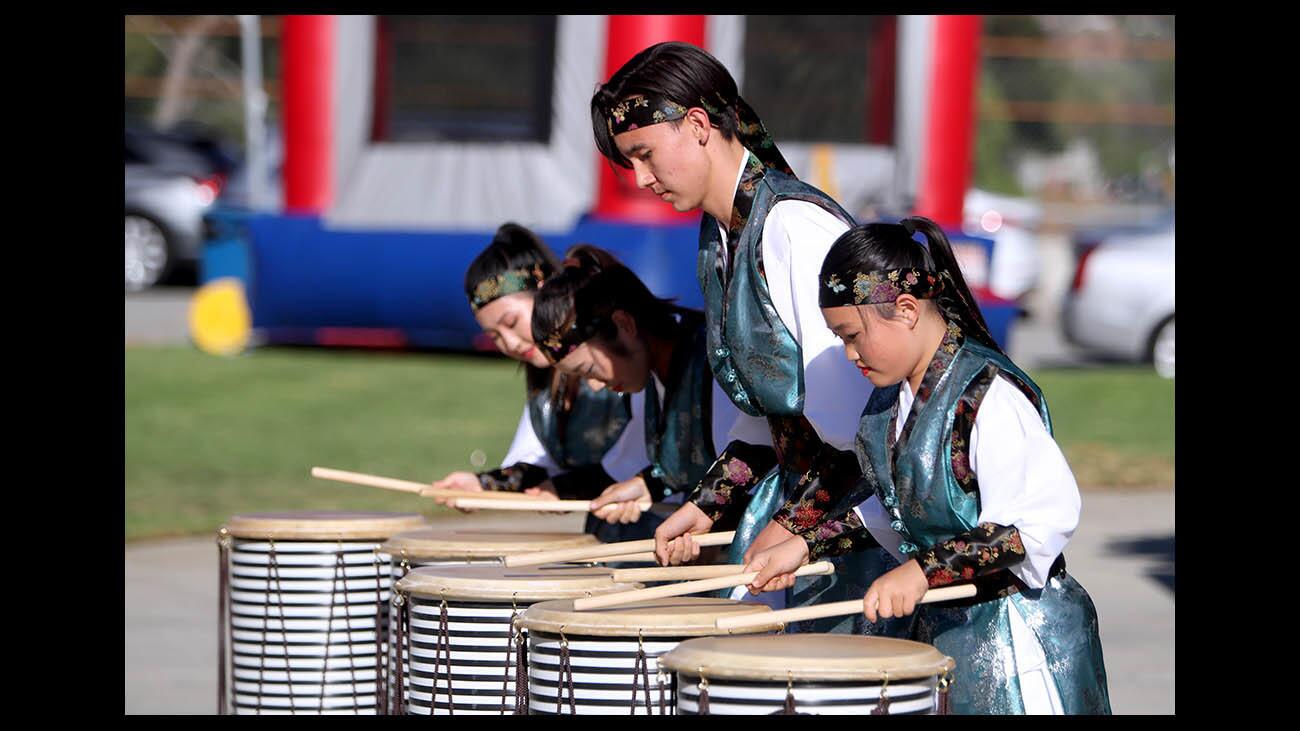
(759, 364)
(590, 429)
(679, 435)
(928, 505)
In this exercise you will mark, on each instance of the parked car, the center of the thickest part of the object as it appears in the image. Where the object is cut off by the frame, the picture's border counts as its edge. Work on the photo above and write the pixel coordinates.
(1012, 223)
(1121, 301)
(170, 181)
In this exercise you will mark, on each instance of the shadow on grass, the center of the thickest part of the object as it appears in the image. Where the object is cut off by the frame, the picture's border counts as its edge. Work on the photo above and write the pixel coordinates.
(1158, 549)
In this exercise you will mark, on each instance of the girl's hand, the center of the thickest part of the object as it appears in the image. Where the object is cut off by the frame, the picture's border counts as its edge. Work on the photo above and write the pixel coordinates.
(776, 565)
(896, 593)
(772, 534)
(462, 481)
(544, 491)
(619, 503)
(673, 543)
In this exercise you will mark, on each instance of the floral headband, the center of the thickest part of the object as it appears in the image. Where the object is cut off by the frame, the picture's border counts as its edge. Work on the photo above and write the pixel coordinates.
(559, 344)
(879, 287)
(641, 111)
(507, 282)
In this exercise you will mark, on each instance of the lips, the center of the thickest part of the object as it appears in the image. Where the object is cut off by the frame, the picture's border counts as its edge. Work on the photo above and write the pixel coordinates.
(528, 354)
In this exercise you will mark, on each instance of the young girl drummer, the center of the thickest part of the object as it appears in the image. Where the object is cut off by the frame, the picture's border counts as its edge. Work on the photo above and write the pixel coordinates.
(567, 441)
(597, 320)
(956, 443)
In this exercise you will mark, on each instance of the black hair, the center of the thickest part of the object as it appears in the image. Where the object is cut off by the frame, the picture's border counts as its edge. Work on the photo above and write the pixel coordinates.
(679, 72)
(879, 246)
(592, 285)
(514, 247)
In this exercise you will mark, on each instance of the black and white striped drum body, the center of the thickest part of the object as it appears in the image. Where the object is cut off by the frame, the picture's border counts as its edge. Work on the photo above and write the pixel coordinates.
(441, 547)
(466, 661)
(609, 656)
(307, 615)
(807, 674)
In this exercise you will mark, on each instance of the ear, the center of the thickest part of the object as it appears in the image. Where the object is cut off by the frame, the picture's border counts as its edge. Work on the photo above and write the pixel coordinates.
(908, 308)
(698, 121)
(625, 323)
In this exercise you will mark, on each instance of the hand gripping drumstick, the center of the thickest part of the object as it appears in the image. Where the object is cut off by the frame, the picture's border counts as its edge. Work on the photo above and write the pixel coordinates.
(565, 506)
(838, 609)
(417, 488)
(690, 587)
(677, 573)
(587, 553)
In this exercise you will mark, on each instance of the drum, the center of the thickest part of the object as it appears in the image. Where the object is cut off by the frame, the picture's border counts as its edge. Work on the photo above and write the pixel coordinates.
(464, 644)
(807, 674)
(460, 547)
(304, 602)
(604, 661)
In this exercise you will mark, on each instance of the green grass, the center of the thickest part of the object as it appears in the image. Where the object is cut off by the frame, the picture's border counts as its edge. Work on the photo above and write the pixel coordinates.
(1115, 425)
(210, 437)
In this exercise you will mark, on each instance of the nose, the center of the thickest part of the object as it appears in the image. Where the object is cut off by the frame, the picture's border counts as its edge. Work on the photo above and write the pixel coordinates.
(641, 172)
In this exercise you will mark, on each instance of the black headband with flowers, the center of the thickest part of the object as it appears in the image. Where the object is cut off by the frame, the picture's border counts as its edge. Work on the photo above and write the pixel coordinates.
(878, 287)
(642, 111)
(560, 343)
(507, 282)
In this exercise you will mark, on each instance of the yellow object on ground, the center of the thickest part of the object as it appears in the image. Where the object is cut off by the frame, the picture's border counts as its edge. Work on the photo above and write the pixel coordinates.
(220, 322)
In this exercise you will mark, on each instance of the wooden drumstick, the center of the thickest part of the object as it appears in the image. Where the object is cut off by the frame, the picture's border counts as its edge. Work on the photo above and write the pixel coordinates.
(677, 573)
(587, 553)
(565, 506)
(627, 558)
(690, 587)
(416, 488)
(838, 609)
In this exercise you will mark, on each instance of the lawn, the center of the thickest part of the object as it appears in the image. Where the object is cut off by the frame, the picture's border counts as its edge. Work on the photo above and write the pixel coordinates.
(209, 437)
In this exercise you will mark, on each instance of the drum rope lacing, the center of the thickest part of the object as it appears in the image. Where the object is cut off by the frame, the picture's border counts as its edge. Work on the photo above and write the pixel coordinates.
(945, 684)
(521, 669)
(397, 650)
(513, 641)
(639, 666)
(566, 670)
(882, 705)
(340, 571)
(381, 643)
(284, 646)
(789, 709)
(703, 704)
(443, 648)
(223, 616)
(403, 643)
(660, 677)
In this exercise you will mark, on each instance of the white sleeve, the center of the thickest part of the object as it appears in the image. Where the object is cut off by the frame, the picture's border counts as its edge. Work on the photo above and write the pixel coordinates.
(725, 418)
(528, 448)
(876, 520)
(1024, 479)
(628, 456)
(796, 237)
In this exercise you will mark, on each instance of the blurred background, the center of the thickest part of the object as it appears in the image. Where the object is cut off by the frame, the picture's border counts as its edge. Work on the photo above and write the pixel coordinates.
(304, 193)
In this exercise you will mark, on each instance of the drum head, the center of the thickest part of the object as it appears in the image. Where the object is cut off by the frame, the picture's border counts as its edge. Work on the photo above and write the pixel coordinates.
(498, 583)
(468, 543)
(807, 657)
(323, 525)
(683, 616)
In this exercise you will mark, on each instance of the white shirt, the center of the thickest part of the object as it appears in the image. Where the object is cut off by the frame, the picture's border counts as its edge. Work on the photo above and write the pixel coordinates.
(796, 237)
(624, 459)
(1024, 479)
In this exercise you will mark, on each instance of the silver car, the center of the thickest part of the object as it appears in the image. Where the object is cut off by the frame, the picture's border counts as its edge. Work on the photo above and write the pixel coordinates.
(1121, 302)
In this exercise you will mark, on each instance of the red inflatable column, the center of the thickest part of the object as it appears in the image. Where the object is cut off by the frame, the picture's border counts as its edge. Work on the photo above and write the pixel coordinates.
(308, 61)
(628, 35)
(946, 172)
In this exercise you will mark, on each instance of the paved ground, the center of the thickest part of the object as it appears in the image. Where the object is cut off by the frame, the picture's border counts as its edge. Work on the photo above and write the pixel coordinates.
(1122, 553)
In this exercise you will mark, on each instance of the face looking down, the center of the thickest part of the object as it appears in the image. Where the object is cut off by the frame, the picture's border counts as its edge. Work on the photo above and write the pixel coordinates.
(509, 321)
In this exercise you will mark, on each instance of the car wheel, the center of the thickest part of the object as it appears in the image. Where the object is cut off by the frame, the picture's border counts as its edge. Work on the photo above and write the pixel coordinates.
(1162, 348)
(148, 253)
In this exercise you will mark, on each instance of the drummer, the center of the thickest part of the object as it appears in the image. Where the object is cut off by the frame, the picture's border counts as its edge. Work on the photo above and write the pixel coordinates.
(565, 444)
(597, 320)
